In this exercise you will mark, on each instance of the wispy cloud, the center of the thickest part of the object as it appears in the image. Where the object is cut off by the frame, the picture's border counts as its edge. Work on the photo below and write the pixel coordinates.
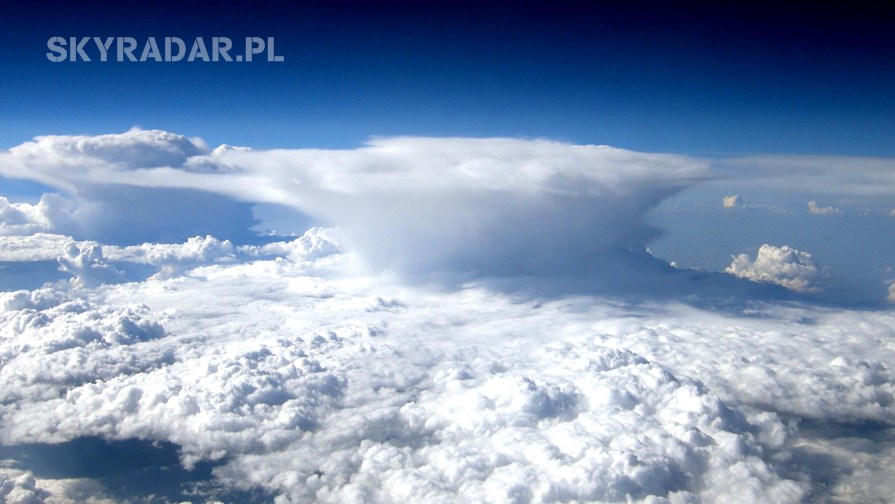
(827, 175)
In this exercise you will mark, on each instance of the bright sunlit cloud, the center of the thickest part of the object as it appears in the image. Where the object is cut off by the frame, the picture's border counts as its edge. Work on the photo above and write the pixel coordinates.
(319, 367)
(410, 205)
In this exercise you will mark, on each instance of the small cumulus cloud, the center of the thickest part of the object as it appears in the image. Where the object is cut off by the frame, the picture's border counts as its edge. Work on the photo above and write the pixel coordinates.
(814, 209)
(732, 201)
(784, 266)
(86, 264)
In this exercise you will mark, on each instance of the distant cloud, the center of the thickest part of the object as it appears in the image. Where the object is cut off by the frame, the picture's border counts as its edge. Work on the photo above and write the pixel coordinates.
(819, 210)
(410, 205)
(51, 214)
(784, 266)
(36, 247)
(314, 383)
(320, 388)
(891, 296)
(87, 266)
(732, 201)
(828, 175)
(135, 148)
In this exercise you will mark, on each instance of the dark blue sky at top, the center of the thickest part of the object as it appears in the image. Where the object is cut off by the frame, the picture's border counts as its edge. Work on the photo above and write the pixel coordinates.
(692, 80)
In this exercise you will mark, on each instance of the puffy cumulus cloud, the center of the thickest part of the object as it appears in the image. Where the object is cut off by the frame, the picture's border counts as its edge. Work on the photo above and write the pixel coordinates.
(174, 258)
(412, 205)
(52, 342)
(51, 214)
(784, 266)
(92, 264)
(315, 243)
(814, 209)
(732, 201)
(23, 487)
(86, 264)
(891, 297)
(20, 487)
(334, 389)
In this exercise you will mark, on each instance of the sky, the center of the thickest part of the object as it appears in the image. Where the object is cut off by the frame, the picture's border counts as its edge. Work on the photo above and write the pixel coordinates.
(706, 80)
(512, 252)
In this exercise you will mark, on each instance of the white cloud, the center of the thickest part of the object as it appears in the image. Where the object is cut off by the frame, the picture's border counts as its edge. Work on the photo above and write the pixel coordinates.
(136, 148)
(36, 247)
(20, 487)
(830, 175)
(315, 243)
(784, 266)
(411, 205)
(331, 388)
(732, 201)
(52, 213)
(814, 209)
(173, 258)
(312, 382)
(891, 292)
(85, 262)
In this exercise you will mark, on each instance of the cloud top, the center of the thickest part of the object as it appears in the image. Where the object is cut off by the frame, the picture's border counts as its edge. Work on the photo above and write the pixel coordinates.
(136, 148)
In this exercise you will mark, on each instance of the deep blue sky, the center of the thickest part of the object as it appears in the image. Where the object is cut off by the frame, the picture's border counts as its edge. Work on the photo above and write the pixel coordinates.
(679, 79)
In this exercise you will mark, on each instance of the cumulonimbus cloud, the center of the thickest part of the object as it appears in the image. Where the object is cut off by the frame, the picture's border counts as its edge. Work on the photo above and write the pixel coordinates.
(410, 205)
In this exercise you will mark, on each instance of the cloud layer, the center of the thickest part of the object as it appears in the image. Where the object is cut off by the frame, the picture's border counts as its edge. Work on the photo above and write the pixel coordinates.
(303, 376)
(313, 385)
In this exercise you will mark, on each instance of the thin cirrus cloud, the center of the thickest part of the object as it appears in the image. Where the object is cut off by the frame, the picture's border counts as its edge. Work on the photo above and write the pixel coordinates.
(853, 176)
(409, 205)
